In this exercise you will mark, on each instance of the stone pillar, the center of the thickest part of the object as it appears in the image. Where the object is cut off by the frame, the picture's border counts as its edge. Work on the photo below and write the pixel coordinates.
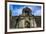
(32, 22)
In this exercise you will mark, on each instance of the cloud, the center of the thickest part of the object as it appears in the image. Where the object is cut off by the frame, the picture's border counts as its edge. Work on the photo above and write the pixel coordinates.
(18, 11)
(37, 13)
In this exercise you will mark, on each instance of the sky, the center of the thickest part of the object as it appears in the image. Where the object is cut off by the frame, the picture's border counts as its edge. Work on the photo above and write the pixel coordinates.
(17, 9)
